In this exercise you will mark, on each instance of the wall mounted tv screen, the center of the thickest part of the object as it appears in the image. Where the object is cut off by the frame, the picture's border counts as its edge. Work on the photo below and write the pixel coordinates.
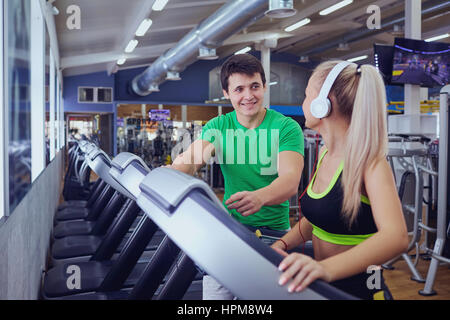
(384, 55)
(159, 114)
(421, 63)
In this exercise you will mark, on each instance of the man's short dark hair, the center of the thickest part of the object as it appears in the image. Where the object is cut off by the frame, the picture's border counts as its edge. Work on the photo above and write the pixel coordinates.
(241, 63)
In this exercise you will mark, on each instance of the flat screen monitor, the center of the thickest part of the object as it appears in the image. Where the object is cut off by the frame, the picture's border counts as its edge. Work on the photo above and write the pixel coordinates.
(384, 55)
(421, 63)
(159, 114)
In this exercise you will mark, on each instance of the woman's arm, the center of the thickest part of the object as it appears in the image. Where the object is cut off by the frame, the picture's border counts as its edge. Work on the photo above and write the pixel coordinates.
(293, 238)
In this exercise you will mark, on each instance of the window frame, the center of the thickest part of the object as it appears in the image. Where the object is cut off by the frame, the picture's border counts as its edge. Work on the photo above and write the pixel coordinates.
(37, 90)
(4, 194)
(52, 85)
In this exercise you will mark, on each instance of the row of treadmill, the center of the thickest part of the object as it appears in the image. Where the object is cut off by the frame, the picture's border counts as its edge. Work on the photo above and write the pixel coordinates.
(143, 234)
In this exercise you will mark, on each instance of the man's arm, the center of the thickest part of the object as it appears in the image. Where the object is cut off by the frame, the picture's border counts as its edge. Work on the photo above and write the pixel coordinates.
(290, 167)
(194, 158)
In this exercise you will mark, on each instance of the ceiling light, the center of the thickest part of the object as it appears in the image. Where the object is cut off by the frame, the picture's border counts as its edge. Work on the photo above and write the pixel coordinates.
(397, 31)
(280, 9)
(273, 83)
(131, 45)
(343, 47)
(442, 36)
(335, 7)
(244, 50)
(173, 75)
(55, 11)
(297, 25)
(358, 58)
(121, 61)
(153, 88)
(143, 27)
(205, 53)
(304, 59)
(159, 5)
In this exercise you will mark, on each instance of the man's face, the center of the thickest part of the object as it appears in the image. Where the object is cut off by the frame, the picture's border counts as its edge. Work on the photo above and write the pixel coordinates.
(246, 93)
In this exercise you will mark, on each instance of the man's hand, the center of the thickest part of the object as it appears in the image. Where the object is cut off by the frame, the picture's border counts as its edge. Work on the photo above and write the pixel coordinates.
(245, 202)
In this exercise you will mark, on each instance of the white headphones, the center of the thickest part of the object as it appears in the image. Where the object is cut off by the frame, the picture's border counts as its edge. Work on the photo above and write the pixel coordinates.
(321, 106)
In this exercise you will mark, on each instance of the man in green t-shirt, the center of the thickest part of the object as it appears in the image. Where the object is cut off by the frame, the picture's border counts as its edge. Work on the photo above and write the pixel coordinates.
(260, 151)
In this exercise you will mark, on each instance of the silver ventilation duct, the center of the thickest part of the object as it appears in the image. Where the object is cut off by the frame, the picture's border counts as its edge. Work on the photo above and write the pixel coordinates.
(209, 34)
(281, 9)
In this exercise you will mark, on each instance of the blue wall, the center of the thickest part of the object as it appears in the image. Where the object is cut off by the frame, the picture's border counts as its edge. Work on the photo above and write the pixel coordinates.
(70, 93)
(193, 87)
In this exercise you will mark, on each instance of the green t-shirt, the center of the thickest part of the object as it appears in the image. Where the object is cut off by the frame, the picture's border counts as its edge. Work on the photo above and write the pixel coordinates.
(248, 159)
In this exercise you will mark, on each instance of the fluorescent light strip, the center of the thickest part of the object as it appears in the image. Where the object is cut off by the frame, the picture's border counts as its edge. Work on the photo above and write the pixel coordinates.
(131, 45)
(335, 7)
(143, 27)
(273, 83)
(244, 50)
(121, 61)
(297, 25)
(358, 58)
(442, 36)
(159, 5)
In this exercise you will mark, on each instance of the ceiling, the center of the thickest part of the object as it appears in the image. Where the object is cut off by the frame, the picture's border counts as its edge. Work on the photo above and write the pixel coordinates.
(108, 25)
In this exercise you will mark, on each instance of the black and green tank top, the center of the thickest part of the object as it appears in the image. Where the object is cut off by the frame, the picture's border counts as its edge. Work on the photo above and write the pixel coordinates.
(323, 211)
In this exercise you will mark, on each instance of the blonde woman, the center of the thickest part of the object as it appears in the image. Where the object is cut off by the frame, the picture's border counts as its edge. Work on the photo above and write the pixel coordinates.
(351, 210)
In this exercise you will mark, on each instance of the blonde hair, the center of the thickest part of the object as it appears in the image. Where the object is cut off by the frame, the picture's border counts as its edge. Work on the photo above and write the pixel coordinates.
(361, 98)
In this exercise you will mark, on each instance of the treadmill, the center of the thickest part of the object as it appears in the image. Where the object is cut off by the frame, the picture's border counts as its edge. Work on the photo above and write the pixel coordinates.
(217, 243)
(78, 248)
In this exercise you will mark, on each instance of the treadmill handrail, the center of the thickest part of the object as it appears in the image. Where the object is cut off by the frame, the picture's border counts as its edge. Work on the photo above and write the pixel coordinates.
(124, 159)
(128, 170)
(101, 165)
(159, 185)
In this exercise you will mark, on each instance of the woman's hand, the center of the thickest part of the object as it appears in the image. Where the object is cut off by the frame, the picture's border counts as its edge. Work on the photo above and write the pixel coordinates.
(279, 247)
(303, 270)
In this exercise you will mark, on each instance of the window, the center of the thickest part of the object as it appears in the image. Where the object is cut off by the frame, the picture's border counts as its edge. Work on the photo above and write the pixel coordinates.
(17, 100)
(104, 94)
(47, 97)
(94, 95)
(2, 145)
(85, 94)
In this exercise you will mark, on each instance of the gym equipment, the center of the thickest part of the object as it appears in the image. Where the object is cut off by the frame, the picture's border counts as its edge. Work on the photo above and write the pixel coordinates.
(221, 246)
(443, 196)
(410, 159)
(127, 168)
(105, 279)
(96, 220)
(76, 186)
